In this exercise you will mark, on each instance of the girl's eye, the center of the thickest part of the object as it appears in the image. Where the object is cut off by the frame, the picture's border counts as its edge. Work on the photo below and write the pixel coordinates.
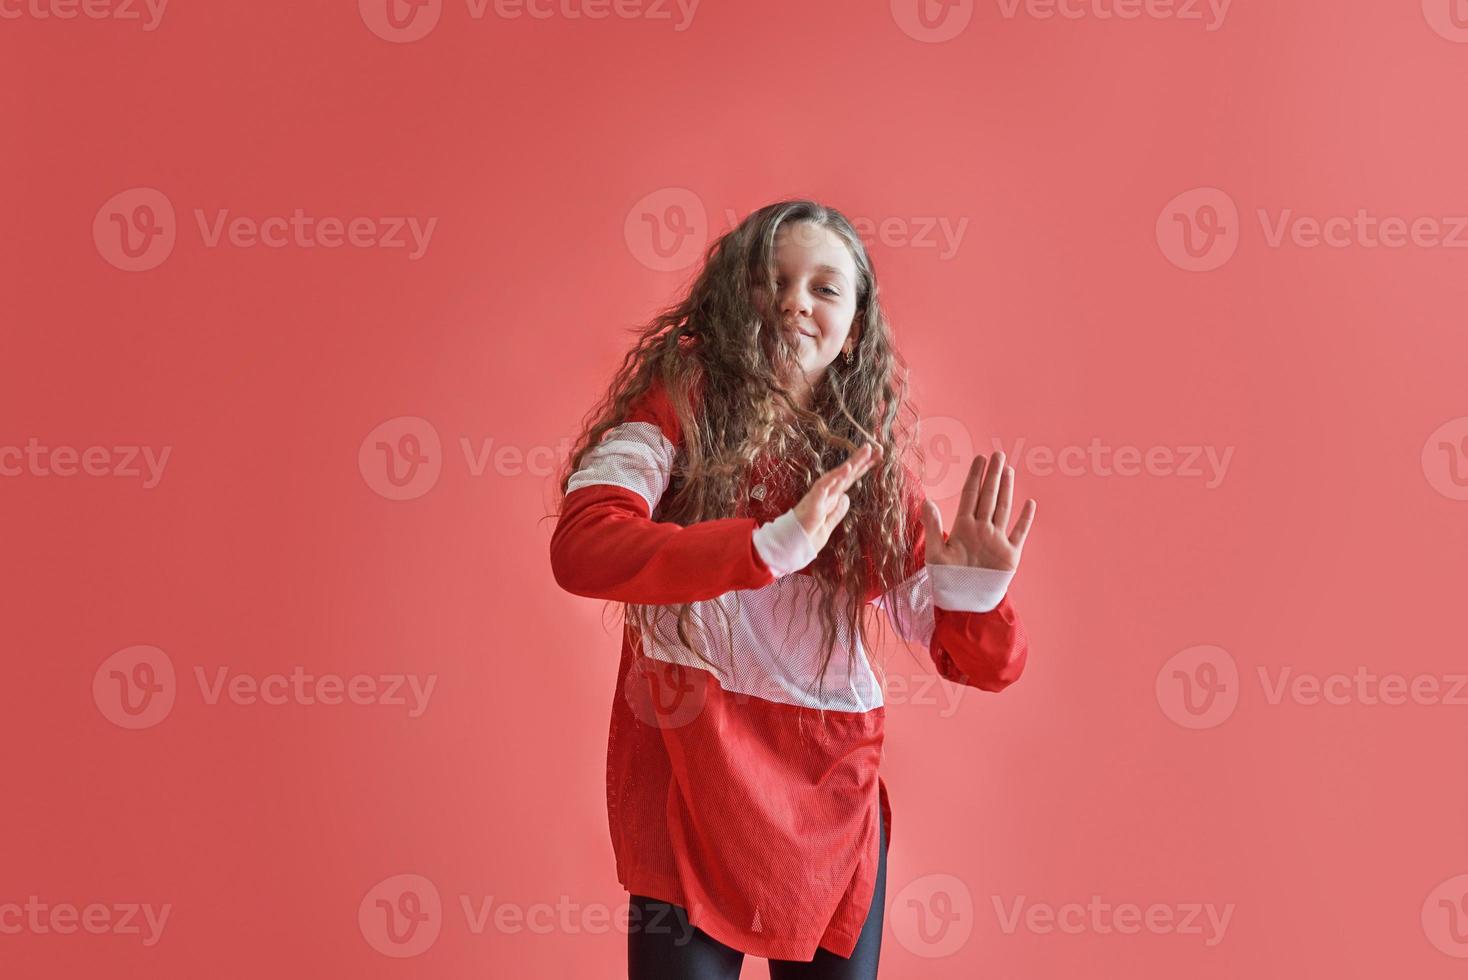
(831, 290)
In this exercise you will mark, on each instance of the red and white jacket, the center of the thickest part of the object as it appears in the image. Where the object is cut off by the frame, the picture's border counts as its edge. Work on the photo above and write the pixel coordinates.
(726, 794)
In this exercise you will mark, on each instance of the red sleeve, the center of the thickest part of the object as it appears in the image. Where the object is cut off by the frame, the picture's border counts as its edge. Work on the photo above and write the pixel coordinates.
(606, 545)
(985, 650)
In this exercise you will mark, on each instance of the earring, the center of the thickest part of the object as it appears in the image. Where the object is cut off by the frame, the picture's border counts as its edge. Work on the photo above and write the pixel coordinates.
(848, 357)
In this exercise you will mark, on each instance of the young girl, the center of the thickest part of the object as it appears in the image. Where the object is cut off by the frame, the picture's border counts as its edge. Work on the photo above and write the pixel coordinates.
(742, 472)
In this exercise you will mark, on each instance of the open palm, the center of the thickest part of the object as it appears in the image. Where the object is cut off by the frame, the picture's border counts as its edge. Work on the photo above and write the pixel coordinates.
(979, 537)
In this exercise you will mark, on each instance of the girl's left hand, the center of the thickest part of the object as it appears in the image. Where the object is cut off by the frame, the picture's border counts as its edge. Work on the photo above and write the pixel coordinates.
(978, 537)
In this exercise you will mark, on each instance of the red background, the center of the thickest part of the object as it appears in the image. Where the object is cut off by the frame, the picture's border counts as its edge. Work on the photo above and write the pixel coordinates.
(548, 150)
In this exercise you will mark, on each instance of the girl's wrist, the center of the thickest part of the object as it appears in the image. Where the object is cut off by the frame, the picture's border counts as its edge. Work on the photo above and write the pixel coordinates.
(968, 588)
(783, 544)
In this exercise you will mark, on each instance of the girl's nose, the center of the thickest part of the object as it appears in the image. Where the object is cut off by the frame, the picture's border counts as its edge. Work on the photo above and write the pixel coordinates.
(794, 302)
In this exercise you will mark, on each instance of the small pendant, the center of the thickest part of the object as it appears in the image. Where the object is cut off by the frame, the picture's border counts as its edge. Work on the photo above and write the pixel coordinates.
(758, 493)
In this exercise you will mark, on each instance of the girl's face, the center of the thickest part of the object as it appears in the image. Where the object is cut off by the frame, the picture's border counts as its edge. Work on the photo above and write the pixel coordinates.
(815, 297)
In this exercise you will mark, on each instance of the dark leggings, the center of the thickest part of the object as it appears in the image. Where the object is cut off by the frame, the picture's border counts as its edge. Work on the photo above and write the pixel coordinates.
(662, 946)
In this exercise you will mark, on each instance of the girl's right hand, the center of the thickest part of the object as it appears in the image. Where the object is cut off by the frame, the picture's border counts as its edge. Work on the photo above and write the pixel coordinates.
(826, 502)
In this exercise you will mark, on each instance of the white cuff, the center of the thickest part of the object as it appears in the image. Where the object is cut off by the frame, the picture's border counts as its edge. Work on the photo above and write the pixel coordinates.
(783, 544)
(966, 588)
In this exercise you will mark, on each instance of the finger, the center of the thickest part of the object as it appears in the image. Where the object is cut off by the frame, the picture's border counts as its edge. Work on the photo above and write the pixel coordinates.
(830, 504)
(968, 501)
(861, 461)
(1022, 527)
(827, 482)
(833, 517)
(840, 471)
(990, 491)
(858, 465)
(1006, 498)
(840, 478)
(932, 530)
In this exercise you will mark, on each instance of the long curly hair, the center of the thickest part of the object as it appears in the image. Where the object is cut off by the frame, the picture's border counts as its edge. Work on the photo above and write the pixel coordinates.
(721, 349)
